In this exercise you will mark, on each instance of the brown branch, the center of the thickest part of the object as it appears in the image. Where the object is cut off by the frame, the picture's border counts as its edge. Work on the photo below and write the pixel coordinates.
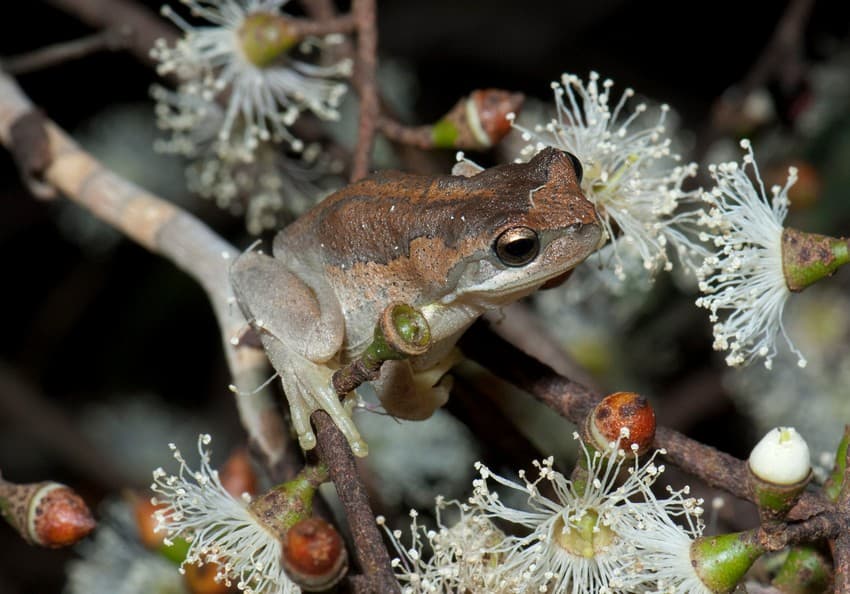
(417, 136)
(170, 232)
(371, 553)
(575, 401)
(366, 62)
(319, 9)
(820, 527)
(111, 39)
(319, 28)
(143, 26)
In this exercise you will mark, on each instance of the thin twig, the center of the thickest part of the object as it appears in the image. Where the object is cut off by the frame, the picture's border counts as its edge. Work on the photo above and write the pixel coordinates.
(144, 25)
(371, 553)
(364, 81)
(315, 28)
(109, 39)
(170, 232)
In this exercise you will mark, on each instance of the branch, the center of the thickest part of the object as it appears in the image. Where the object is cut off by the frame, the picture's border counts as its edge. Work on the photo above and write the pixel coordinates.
(144, 26)
(109, 39)
(163, 229)
(335, 452)
(574, 401)
(366, 63)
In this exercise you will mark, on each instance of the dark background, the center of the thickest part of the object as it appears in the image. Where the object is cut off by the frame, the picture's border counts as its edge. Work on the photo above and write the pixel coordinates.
(83, 323)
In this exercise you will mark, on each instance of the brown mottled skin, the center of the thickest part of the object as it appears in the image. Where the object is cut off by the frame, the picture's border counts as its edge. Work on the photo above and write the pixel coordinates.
(399, 237)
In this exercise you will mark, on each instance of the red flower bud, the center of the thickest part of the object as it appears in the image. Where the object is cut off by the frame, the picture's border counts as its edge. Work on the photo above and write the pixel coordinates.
(626, 416)
(314, 556)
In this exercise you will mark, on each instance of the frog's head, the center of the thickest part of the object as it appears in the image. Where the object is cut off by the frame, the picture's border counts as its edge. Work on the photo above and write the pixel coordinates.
(535, 226)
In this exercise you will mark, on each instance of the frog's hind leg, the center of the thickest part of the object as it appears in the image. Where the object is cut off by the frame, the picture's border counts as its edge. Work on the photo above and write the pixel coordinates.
(305, 317)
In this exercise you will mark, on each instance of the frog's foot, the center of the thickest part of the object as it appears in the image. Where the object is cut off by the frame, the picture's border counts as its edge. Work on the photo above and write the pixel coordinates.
(308, 388)
(413, 395)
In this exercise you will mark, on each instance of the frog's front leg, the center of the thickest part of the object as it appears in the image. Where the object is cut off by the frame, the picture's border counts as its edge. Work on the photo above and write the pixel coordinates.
(302, 329)
(308, 388)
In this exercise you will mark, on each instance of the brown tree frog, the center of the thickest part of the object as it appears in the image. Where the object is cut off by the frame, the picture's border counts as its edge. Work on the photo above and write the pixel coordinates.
(453, 246)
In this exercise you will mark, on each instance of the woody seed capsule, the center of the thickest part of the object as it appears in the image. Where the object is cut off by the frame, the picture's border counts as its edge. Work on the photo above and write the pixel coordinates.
(46, 514)
(622, 415)
(314, 556)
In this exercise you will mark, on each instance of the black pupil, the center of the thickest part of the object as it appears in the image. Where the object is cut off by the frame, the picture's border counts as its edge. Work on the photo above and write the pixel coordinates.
(519, 249)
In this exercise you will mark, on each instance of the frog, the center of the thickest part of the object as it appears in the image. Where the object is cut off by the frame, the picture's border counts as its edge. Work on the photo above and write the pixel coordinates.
(452, 246)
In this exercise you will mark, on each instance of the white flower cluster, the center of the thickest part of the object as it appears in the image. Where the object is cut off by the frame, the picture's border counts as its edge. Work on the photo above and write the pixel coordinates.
(729, 237)
(219, 528)
(230, 113)
(592, 534)
(260, 102)
(744, 278)
(630, 173)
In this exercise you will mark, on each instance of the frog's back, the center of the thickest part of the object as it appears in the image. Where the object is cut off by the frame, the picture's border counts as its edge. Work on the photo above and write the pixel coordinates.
(377, 219)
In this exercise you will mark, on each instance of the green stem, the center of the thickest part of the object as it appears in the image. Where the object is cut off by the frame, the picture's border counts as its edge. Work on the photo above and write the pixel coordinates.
(290, 502)
(833, 485)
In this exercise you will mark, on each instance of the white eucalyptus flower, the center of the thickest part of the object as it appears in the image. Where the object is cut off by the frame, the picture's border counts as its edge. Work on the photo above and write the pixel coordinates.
(219, 528)
(263, 92)
(581, 541)
(743, 281)
(630, 173)
(452, 558)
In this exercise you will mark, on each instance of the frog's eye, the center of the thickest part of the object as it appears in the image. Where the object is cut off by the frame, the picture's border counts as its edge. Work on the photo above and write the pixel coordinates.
(576, 165)
(517, 246)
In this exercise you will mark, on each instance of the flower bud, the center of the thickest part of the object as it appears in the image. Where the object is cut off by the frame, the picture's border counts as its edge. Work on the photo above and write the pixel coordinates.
(201, 579)
(314, 556)
(289, 503)
(721, 561)
(478, 121)
(622, 415)
(779, 471)
(143, 513)
(810, 257)
(147, 520)
(46, 514)
(237, 475)
(781, 457)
